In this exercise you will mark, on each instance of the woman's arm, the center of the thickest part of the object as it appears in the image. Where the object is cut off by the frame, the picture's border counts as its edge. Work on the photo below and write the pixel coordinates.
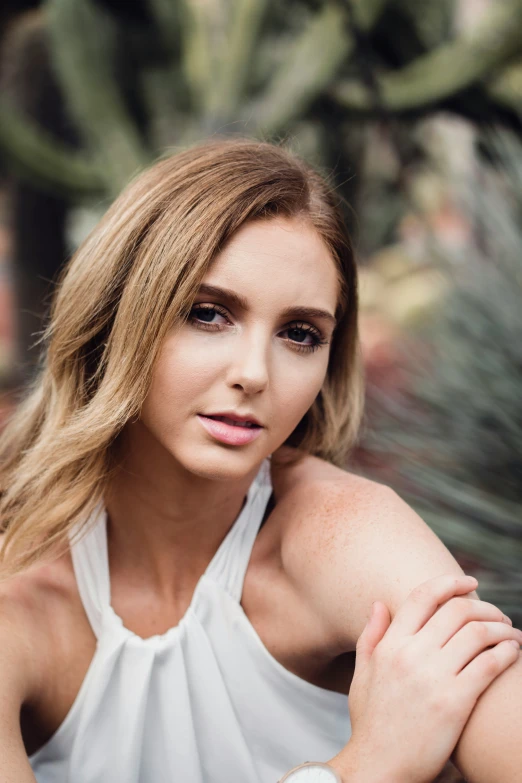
(412, 694)
(18, 682)
(368, 545)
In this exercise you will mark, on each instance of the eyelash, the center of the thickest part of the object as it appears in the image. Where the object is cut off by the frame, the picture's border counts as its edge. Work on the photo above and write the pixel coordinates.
(315, 333)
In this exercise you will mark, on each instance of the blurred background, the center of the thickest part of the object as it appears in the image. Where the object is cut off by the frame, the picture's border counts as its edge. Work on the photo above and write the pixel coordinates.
(414, 110)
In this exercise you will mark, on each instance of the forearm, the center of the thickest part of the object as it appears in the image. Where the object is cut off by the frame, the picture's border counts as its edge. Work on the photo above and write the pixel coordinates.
(490, 747)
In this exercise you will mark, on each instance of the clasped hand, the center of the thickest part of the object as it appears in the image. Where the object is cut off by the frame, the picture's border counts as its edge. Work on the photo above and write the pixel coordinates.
(417, 679)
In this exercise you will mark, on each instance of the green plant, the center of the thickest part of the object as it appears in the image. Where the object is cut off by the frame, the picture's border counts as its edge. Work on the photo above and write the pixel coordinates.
(254, 67)
(451, 437)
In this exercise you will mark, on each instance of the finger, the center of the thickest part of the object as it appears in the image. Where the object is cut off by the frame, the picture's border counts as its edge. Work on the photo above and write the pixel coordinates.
(453, 616)
(471, 640)
(423, 601)
(373, 632)
(474, 678)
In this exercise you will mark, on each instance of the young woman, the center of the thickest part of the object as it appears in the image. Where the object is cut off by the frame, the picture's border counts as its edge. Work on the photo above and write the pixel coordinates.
(187, 567)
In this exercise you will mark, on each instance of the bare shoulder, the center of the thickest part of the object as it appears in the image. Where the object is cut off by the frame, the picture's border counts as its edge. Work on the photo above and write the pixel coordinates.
(349, 541)
(31, 605)
(20, 674)
(330, 504)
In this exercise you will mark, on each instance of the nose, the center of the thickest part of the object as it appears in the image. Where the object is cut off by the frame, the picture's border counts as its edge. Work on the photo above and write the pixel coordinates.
(248, 367)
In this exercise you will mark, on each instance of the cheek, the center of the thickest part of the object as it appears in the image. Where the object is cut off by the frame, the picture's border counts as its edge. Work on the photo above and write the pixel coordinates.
(297, 382)
(181, 373)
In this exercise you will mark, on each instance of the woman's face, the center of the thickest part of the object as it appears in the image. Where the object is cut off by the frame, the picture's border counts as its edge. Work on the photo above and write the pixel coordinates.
(248, 349)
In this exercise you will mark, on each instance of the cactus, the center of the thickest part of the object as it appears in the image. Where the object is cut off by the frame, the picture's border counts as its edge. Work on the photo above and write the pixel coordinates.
(445, 70)
(433, 21)
(209, 57)
(506, 87)
(83, 45)
(303, 76)
(35, 154)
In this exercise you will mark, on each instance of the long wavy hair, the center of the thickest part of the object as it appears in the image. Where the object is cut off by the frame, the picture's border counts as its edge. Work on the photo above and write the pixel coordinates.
(133, 278)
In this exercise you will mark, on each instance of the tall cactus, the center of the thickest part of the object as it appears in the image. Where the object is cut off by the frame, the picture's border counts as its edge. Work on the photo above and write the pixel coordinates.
(211, 81)
(447, 69)
(83, 44)
(433, 21)
(37, 156)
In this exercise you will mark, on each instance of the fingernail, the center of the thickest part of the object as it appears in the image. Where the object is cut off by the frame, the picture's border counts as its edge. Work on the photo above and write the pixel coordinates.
(514, 643)
(506, 619)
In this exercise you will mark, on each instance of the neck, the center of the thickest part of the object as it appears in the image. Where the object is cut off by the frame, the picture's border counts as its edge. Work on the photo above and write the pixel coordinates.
(164, 523)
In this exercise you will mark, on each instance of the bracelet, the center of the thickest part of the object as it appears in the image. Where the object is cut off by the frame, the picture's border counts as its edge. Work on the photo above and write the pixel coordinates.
(311, 772)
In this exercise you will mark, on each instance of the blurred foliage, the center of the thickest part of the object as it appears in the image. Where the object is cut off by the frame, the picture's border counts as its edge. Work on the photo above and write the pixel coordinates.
(450, 435)
(169, 72)
(450, 67)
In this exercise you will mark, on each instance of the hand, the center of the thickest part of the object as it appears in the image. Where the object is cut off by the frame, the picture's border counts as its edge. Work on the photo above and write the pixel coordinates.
(418, 678)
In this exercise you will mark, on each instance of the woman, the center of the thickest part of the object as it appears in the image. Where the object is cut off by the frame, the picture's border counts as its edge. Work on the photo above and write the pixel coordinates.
(187, 567)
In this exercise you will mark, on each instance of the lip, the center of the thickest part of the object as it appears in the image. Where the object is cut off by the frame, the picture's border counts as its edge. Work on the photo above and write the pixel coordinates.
(228, 433)
(235, 416)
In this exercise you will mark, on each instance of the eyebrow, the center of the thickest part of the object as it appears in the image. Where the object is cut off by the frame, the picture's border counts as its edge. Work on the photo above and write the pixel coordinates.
(242, 303)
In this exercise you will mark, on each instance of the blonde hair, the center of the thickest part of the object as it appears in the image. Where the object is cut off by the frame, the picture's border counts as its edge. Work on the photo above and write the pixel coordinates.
(135, 276)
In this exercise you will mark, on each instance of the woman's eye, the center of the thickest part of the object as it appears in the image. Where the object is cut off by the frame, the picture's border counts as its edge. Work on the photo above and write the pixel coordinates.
(305, 338)
(300, 335)
(206, 315)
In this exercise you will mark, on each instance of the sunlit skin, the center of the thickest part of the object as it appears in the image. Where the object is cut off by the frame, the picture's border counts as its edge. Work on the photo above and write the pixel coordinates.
(179, 490)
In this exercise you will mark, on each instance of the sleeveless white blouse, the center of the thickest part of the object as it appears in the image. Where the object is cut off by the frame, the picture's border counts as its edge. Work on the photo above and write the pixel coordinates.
(204, 702)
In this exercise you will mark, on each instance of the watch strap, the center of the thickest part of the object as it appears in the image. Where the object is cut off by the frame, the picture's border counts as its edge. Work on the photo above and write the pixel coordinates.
(304, 774)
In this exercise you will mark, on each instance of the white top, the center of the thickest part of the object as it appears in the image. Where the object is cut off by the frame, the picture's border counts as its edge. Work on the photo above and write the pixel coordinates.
(205, 702)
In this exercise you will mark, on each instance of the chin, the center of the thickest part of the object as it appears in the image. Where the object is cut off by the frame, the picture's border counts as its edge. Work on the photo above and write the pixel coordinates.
(220, 463)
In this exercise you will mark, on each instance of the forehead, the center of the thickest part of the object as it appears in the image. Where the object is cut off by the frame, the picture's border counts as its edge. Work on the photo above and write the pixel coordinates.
(282, 258)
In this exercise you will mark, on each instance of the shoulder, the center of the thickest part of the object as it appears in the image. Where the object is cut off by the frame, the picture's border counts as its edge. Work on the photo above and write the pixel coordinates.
(30, 610)
(349, 541)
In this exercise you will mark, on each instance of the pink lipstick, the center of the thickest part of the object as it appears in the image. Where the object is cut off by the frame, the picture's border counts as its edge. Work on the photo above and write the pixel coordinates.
(232, 434)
